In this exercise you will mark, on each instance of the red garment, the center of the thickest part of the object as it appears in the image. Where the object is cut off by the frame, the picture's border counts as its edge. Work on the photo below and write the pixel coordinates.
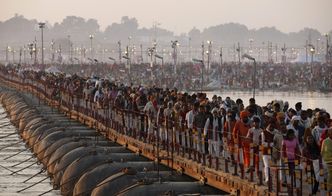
(228, 134)
(240, 132)
(322, 137)
(246, 154)
(228, 131)
(155, 104)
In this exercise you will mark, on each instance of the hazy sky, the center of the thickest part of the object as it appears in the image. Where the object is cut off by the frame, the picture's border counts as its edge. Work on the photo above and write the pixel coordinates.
(181, 15)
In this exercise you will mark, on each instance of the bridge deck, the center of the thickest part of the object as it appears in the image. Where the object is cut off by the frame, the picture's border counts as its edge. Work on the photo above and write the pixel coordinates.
(219, 173)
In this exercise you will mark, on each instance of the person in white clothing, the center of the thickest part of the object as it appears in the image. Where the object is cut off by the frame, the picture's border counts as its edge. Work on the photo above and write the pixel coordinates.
(318, 130)
(254, 134)
(267, 144)
(151, 112)
(213, 130)
(190, 124)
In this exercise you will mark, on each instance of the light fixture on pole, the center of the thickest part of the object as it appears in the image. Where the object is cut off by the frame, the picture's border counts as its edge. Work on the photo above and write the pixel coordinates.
(175, 45)
(283, 49)
(52, 48)
(238, 50)
(160, 57)
(20, 52)
(202, 71)
(208, 53)
(13, 53)
(327, 48)
(70, 45)
(126, 56)
(151, 51)
(312, 52)
(7, 50)
(251, 40)
(42, 26)
(254, 77)
(91, 38)
(24, 54)
(162, 65)
(220, 68)
(129, 46)
(35, 50)
(120, 52)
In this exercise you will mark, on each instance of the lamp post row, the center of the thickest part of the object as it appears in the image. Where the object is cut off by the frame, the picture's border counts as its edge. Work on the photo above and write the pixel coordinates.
(42, 26)
(175, 44)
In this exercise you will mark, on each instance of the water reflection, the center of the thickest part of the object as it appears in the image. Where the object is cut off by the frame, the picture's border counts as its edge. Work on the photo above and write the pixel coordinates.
(10, 183)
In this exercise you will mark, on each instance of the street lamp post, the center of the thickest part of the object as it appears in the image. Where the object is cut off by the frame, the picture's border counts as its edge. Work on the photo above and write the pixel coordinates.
(254, 75)
(317, 46)
(189, 48)
(119, 50)
(111, 58)
(70, 52)
(312, 52)
(306, 51)
(30, 48)
(203, 59)
(128, 62)
(202, 71)
(208, 52)
(162, 66)
(238, 49)
(251, 40)
(13, 52)
(60, 54)
(327, 48)
(42, 26)
(127, 57)
(24, 54)
(35, 50)
(91, 38)
(20, 59)
(269, 52)
(150, 53)
(7, 50)
(220, 68)
(129, 46)
(141, 48)
(174, 45)
(52, 48)
(276, 53)
(283, 49)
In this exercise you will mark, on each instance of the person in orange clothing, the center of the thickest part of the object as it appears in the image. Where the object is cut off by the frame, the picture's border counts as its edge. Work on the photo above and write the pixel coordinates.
(240, 132)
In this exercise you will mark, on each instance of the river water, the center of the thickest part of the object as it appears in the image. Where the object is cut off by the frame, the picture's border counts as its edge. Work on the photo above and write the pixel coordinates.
(309, 99)
(11, 184)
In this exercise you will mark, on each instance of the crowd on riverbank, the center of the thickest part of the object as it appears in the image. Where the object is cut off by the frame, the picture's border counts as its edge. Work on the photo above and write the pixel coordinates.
(221, 127)
(228, 76)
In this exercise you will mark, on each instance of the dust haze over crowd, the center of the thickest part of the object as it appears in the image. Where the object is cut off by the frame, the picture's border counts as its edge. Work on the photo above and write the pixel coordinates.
(19, 30)
(223, 22)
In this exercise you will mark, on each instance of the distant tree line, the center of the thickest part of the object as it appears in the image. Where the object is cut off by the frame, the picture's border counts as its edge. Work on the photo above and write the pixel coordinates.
(18, 30)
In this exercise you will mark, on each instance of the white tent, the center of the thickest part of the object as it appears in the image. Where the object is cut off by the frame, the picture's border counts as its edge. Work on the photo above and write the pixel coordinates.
(52, 69)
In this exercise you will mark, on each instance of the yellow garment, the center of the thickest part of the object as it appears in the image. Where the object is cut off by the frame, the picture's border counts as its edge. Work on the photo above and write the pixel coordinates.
(327, 157)
(327, 150)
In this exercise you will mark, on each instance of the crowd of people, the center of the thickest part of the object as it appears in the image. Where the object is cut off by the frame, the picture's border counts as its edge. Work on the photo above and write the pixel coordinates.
(223, 127)
(232, 76)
